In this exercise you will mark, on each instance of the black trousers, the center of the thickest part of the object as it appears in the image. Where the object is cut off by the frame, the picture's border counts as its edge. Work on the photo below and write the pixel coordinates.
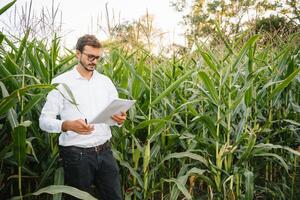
(86, 167)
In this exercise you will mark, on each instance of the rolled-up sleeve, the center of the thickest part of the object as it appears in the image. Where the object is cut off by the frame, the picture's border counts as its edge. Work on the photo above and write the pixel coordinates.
(48, 119)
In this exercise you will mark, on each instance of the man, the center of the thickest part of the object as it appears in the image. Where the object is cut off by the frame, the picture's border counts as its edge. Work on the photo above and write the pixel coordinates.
(84, 148)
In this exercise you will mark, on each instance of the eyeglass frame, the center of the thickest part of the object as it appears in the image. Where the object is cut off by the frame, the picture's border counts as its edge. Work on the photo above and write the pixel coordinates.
(91, 57)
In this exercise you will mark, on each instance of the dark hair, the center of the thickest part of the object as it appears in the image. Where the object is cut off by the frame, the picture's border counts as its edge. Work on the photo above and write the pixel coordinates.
(87, 40)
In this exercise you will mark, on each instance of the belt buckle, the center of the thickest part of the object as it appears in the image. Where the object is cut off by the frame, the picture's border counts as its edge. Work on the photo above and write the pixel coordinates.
(101, 147)
(98, 148)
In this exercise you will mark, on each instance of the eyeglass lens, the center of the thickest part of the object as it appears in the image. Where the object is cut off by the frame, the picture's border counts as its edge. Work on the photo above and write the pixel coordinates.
(90, 57)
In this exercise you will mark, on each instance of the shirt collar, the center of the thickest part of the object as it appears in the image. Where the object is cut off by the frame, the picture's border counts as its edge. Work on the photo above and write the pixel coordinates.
(77, 75)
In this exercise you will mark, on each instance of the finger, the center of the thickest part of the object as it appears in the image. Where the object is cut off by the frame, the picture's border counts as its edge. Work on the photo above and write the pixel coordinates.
(86, 129)
(118, 121)
(91, 126)
(116, 117)
(119, 117)
(84, 132)
(82, 123)
(123, 113)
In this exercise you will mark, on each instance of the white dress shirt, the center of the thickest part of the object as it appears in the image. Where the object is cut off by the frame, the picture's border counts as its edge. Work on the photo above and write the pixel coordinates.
(91, 96)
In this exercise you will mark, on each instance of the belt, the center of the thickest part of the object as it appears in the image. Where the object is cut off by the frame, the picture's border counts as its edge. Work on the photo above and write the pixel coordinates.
(98, 148)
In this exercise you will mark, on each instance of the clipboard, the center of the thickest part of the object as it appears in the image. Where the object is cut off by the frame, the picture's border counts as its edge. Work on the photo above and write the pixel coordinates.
(115, 107)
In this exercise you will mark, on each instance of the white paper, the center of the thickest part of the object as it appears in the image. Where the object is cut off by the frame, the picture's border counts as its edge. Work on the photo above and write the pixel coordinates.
(115, 107)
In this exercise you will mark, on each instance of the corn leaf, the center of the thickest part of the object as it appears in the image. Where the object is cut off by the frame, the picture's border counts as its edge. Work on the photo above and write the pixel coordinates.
(58, 180)
(57, 189)
(209, 85)
(171, 87)
(284, 83)
(19, 144)
(7, 6)
(249, 185)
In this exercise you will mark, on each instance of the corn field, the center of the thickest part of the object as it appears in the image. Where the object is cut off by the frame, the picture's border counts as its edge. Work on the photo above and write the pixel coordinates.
(219, 123)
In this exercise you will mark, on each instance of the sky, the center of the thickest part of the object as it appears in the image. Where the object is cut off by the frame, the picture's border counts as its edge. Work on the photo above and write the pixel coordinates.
(80, 17)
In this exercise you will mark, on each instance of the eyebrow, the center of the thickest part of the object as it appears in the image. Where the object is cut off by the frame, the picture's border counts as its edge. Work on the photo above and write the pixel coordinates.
(91, 54)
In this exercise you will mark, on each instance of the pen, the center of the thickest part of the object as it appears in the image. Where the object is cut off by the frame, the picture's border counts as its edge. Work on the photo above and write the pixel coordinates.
(85, 120)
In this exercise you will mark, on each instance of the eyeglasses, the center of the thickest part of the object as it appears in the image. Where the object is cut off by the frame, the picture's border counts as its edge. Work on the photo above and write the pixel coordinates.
(90, 57)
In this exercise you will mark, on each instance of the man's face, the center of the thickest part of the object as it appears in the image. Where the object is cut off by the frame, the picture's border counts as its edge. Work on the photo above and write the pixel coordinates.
(88, 57)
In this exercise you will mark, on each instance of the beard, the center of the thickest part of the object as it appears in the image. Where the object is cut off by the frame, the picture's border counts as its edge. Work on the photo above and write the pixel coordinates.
(88, 67)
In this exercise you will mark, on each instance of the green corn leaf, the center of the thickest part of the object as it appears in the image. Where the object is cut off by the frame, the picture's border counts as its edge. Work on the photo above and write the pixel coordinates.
(182, 173)
(11, 44)
(48, 171)
(181, 182)
(292, 122)
(151, 122)
(30, 149)
(22, 47)
(54, 53)
(248, 96)
(284, 83)
(155, 151)
(70, 94)
(5, 71)
(209, 123)
(260, 148)
(186, 155)
(57, 189)
(249, 147)
(171, 87)
(147, 150)
(19, 144)
(251, 59)
(12, 115)
(44, 61)
(185, 101)
(34, 62)
(132, 70)
(58, 180)
(244, 50)
(6, 104)
(249, 185)
(200, 173)
(132, 172)
(5, 150)
(9, 101)
(136, 157)
(180, 185)
(2, 36)
(209, 85)
(33, 78)
(7, 6)
(281, 160)
(64, 61)
(33, 102)
(209, 61)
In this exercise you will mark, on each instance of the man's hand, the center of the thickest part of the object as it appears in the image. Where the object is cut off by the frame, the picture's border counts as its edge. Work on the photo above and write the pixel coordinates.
(119, 118)
(79, 126)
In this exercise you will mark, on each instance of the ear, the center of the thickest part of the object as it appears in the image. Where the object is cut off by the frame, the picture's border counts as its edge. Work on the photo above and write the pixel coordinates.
(78, 54)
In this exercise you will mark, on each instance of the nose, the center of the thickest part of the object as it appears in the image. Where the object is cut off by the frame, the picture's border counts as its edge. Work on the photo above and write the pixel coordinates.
(94, 61)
